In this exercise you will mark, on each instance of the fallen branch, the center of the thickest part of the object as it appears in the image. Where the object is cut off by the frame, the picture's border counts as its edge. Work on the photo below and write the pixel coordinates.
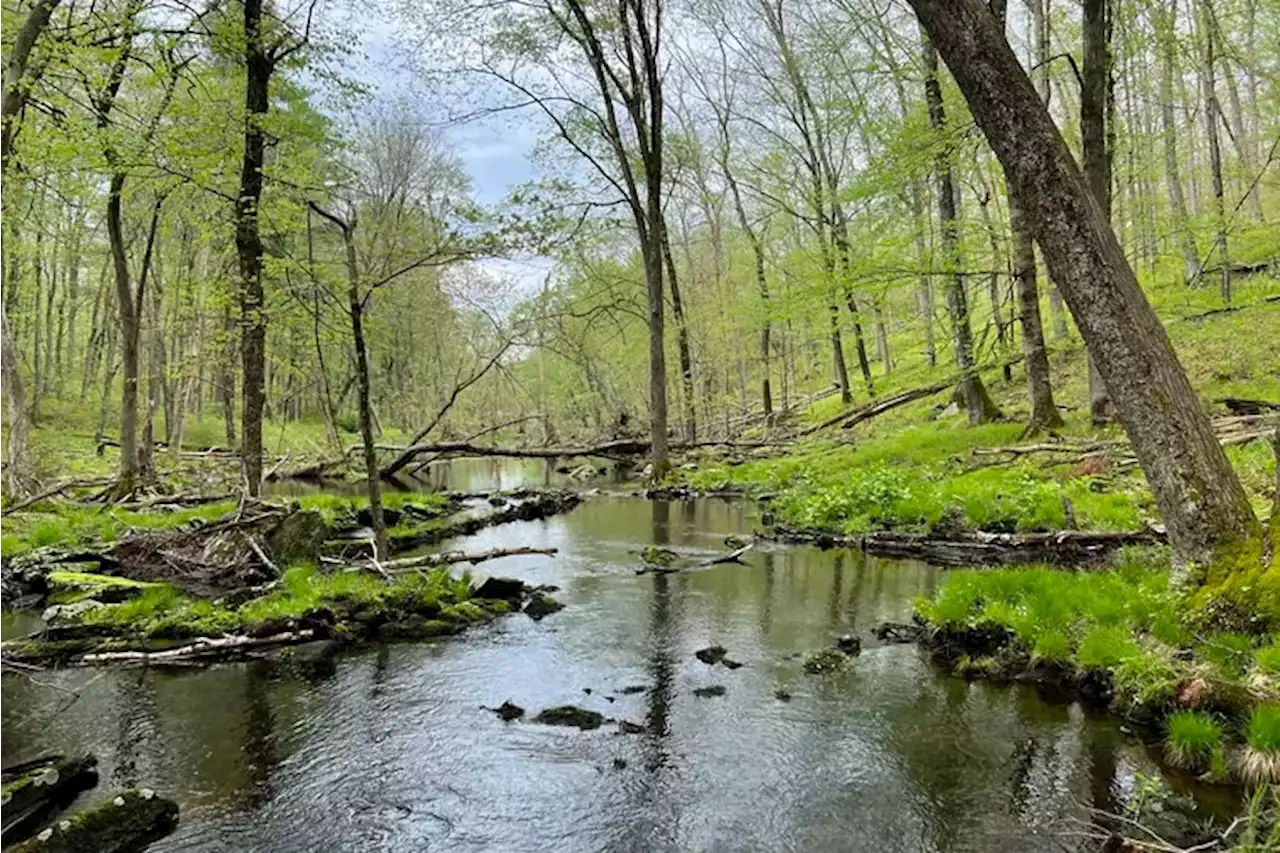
(54, 492)
(408, 564)
(1065, 548)
(202, 648)
(734, 556)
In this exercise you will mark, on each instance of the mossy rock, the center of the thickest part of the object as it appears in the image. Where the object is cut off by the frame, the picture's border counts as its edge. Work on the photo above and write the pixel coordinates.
(656, 556)
(299, 538)
(825, 662)
(570, 715)
(464, 611)
(541, 605)
(35, 790)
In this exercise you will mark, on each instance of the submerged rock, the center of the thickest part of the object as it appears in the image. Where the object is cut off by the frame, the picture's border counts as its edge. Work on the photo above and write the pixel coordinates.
(710, 691)
(627, 727)
(711, 655)
(782, 696)
(508, 711)
(570, 715)
(825, 661)
(632, 689)
(655, 556)
(500, 588)
(730, 664)
(849, 644)
(540, 605)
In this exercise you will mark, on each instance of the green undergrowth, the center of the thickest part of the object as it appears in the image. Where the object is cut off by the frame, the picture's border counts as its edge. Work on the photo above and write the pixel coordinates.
(342, 509)
(67, 525)
(163, 611)
(924, 478)
(72, 525)
(1127, 638)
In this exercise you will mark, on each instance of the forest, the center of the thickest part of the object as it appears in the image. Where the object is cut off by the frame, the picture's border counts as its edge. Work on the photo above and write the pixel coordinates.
(943, 336)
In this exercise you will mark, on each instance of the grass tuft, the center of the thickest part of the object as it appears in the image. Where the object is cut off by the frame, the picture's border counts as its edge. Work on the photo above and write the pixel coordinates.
(1193, 740)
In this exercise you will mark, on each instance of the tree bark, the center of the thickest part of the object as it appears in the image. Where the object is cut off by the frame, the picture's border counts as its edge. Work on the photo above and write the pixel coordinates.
(1205, 508)
(1166, 39)
(13, 96)
(682, 341)
(1212, 117)
(253, 320)
(978, 403)
(1096, 154)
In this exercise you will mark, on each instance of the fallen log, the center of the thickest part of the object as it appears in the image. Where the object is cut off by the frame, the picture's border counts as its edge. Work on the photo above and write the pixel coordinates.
(54, 492)
(734, 556)
(201, 649)
(544, 505)
(129, 822)
(36, 790)
(868, 412)
(409, 564)
(1062, 548)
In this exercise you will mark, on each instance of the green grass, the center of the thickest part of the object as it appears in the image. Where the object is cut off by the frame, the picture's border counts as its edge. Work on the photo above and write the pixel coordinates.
(1263, 731)
(1267, 659)
(1193, 740)
(921, 476)
(69, 525)
(164, 611)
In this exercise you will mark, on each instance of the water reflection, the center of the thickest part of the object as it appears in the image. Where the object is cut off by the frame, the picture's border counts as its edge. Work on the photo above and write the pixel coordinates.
(388, 749)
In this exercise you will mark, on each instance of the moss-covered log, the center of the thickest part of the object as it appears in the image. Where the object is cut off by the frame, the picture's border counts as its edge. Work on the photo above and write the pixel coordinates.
(127, 823)
(36, 790)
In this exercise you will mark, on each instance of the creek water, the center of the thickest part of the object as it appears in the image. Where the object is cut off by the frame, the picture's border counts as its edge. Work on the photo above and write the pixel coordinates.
(388, 748)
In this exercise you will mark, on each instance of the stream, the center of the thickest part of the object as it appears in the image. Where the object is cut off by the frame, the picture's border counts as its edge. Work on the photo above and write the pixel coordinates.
(388, 748)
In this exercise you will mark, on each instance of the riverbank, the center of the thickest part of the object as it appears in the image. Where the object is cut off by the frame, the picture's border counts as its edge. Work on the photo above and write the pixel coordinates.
(176, 585)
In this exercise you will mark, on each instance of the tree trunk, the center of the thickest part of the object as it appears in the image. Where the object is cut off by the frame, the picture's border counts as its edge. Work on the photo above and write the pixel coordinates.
(373, 480)
(1096, 154)
(981, 408)
(129, 332)
(1044, 411)
(1166, 37)
(1205, 508)
(13, 95)
(682, 341)
(924, 291)
(253, 319)
(1212, 117)
(762, 281)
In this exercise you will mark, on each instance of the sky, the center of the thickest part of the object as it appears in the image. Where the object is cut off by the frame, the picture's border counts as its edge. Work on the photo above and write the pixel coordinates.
(496, 151)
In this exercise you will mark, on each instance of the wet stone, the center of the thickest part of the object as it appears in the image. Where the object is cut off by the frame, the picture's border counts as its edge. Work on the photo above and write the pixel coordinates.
(711, 655)
(570, 715)
(541, 605)
(710, 691)
(508, 711)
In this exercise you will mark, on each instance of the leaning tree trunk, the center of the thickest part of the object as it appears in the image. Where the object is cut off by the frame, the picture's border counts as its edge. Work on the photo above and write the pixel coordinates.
(253, 320)
(19, 472)
(1096, 154)
(1205, 508)
(977, 401)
